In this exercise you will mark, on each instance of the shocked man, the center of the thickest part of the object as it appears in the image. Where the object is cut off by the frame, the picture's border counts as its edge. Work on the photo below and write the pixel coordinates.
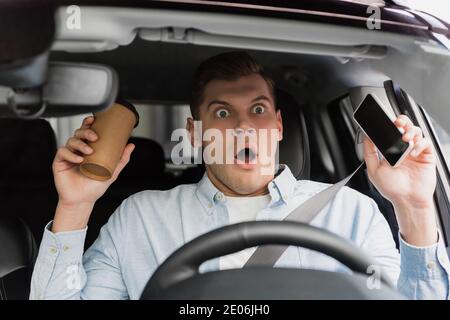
(232, 93)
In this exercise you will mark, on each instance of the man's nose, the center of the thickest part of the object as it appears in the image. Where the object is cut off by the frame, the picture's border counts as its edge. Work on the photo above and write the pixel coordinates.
(244, 126)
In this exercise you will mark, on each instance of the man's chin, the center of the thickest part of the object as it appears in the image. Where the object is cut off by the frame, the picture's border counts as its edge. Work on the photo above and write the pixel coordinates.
(246, 166)
(253, 169)
(241, 179)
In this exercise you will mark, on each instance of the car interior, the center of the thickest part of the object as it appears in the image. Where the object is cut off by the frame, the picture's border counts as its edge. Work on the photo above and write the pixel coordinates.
(30, 190)
(304, 148)
(316, 90)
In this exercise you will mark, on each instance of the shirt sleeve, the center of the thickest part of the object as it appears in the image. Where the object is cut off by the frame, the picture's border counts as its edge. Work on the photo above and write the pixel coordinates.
(61, 271)
(424, 271)
(419, 272)
(58, 270)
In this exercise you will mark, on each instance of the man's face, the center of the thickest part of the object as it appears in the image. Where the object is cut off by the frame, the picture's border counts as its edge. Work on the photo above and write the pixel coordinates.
(243, 112)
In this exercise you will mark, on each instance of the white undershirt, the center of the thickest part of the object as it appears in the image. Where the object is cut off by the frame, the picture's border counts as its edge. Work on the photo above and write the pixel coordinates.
(242, 209)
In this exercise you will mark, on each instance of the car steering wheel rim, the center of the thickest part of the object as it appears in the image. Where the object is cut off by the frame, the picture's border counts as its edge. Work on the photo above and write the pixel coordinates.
(185, 261)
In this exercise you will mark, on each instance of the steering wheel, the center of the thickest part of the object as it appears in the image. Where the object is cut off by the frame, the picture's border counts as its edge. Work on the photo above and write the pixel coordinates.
(184, 263)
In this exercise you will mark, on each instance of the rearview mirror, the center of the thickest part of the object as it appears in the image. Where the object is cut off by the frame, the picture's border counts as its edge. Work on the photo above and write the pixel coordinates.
(70, 89)
(27, 34)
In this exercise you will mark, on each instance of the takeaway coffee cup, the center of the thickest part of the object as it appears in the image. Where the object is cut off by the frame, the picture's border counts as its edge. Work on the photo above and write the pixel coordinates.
(113, 127)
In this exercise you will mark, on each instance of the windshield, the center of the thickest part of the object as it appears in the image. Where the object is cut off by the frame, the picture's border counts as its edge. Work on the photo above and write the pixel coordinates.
(438, 8)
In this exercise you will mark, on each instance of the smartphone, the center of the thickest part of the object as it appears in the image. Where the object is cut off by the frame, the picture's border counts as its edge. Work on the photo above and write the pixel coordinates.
(377, 125)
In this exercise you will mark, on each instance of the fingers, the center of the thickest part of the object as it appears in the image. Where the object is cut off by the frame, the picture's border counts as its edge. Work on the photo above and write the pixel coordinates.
(64, 154)
(424, 150)
(86, 134)
(123, 160)
(413, 134)
(403, 121)
(370, 155)
(420, 146)
(87, 122)
(410, 132)
(75, 144)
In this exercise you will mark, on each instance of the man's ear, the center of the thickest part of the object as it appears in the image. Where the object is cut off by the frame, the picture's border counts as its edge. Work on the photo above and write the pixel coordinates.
(195, 132)
(279, 125)
(190, 129)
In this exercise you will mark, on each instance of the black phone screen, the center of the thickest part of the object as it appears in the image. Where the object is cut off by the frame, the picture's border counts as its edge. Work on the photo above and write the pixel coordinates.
(380, 129)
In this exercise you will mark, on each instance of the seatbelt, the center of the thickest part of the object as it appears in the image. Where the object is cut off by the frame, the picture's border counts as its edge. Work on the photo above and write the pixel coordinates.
(269, 255)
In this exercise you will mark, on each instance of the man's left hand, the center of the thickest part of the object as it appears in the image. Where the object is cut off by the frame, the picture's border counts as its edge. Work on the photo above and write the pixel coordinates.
(410, 186)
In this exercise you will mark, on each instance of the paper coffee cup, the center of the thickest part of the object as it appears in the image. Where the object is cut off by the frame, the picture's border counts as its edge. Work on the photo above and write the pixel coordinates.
(113, 127)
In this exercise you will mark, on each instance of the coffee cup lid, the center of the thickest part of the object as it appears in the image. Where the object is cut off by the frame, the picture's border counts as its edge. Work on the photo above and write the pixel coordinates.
(129, 106)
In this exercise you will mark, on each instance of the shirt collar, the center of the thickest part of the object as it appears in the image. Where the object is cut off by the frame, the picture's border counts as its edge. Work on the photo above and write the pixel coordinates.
(207, 193)
(280, 188)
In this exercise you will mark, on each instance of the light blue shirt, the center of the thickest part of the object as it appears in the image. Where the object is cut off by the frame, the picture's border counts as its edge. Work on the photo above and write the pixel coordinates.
(148, 226)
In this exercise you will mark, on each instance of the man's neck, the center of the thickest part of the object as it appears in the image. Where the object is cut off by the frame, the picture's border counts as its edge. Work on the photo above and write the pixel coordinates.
(231, 193)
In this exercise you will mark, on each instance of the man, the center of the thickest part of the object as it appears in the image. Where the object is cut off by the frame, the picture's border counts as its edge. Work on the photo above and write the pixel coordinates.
(232, 92)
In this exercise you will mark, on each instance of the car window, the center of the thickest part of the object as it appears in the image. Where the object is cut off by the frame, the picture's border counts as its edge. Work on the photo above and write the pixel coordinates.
(157, 122)
(443, 137)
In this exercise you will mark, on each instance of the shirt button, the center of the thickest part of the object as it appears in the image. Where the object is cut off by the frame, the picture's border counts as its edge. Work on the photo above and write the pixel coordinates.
(219, 196)
(65, 248)
(430, 265)
(210, 205)
(53, 250)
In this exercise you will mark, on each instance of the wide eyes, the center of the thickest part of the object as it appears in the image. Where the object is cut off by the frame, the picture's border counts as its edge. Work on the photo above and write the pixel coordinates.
(222, 113)
(225, 113)
(258, 109)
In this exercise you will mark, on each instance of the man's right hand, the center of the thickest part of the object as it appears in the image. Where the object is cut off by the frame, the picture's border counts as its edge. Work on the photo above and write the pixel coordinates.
(78, 193)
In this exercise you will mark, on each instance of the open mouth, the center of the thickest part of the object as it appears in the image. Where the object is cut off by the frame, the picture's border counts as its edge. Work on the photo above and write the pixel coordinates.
(246, 155)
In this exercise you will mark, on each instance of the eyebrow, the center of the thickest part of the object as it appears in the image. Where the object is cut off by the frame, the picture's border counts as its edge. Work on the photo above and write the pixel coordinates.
(215, 101)
(261, 97)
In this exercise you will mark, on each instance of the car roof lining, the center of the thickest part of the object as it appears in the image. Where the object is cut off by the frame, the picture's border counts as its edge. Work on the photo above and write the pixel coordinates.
(119, 26)
(330, 76)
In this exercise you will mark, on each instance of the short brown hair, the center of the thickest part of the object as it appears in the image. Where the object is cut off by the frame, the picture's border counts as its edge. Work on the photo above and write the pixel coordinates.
(225, 66)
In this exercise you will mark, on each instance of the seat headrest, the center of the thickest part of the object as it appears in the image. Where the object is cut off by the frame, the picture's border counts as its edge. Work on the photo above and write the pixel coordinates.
(28, 148)
(147, 160)
(294, 148)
